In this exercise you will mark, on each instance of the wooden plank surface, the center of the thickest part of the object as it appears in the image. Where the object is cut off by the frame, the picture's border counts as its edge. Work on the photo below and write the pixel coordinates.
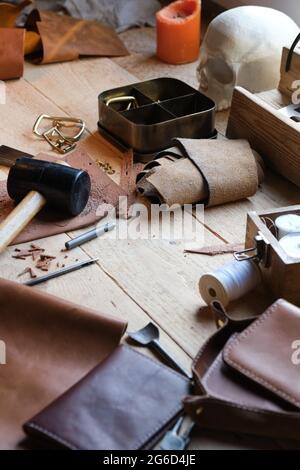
(138, 280)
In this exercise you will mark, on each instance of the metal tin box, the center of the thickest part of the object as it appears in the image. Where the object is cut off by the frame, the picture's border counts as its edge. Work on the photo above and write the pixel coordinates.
(146, 116)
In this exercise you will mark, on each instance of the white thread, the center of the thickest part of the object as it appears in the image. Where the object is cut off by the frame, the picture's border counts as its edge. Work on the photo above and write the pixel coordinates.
(286, 224)
(291, 245)
(230, 282)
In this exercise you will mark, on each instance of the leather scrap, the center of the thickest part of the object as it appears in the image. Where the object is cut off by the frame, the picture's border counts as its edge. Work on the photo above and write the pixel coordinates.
(216, 249)
(9, 13)
(64, 38)
(104, 192)
(50, 345)
(11, 53)
(129, 172)
(228, 168)
(12, 41)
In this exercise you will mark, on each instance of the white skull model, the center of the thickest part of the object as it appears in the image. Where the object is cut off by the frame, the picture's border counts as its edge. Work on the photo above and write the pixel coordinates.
(243, 47)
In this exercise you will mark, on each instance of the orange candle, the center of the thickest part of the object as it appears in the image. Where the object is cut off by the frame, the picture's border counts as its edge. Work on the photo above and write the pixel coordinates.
(178, 31)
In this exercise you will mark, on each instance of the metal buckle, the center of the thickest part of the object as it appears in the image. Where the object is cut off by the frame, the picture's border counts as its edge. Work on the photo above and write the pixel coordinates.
(260, 252)
(54, 135)
(133, 103)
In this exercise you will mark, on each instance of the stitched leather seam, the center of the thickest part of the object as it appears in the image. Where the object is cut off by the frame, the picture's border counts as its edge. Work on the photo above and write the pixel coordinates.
(250, 373)
(53, 436)
(293, 415)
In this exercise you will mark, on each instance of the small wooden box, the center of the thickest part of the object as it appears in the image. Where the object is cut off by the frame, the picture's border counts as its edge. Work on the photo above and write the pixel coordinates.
(281, 273)
(258, 118)
(293, 74)
(273, 135)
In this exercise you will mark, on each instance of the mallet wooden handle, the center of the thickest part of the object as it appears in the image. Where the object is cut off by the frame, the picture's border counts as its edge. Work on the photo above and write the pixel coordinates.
(20, 217)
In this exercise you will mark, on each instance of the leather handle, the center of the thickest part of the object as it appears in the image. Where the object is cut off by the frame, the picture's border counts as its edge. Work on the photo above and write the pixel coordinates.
(20, 217)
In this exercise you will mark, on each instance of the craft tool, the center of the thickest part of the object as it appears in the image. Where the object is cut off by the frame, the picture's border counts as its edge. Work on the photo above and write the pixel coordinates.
(149, 336)
(90, 235)
(178, 438)
(60, 272)
(34, 183)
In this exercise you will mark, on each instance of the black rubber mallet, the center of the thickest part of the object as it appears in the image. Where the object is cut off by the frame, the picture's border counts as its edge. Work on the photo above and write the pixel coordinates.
(33, 184)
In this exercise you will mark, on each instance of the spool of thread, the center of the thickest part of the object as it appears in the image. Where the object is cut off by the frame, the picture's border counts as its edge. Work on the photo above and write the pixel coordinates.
(291, 245)
(231, 282)
(286, 224)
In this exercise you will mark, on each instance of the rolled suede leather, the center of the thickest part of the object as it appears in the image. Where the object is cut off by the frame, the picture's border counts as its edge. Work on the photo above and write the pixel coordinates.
(211, 172)
(50, 345)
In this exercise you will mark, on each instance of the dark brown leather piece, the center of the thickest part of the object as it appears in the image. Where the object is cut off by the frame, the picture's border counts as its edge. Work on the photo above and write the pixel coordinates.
(50, 345)
(48, 222)
(11, 53)
(65, 38)
(229, 398)
(124, 403)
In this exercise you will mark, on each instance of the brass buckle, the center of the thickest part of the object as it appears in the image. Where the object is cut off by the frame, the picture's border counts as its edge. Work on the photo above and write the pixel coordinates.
(132, 101)
(55, 136)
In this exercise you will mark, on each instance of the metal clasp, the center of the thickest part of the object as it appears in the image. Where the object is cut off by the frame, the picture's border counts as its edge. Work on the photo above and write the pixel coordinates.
(259, 252)
(132, 101)
(54, 135)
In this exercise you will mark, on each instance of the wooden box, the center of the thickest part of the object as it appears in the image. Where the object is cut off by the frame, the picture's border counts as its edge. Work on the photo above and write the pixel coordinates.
(259, 119)
(281, 273)
(286, 85)
(273, 135)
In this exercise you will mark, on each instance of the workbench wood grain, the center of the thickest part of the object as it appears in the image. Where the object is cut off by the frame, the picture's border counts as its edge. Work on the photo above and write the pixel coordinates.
(142, 280)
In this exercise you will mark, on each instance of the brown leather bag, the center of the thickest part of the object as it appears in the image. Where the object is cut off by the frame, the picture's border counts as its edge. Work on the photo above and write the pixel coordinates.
(246, 379)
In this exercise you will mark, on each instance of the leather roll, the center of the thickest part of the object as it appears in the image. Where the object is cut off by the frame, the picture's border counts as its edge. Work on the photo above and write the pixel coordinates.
(11, 53)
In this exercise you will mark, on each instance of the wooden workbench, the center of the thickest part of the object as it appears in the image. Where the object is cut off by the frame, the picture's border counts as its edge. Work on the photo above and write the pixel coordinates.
(136, 280)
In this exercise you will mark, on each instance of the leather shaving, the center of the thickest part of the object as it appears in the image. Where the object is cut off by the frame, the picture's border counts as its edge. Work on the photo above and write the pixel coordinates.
(216, 250)
(29, 271)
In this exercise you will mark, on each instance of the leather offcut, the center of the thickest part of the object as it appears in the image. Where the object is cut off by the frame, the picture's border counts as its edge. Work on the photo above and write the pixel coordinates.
(50, 345)
(64, 38)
